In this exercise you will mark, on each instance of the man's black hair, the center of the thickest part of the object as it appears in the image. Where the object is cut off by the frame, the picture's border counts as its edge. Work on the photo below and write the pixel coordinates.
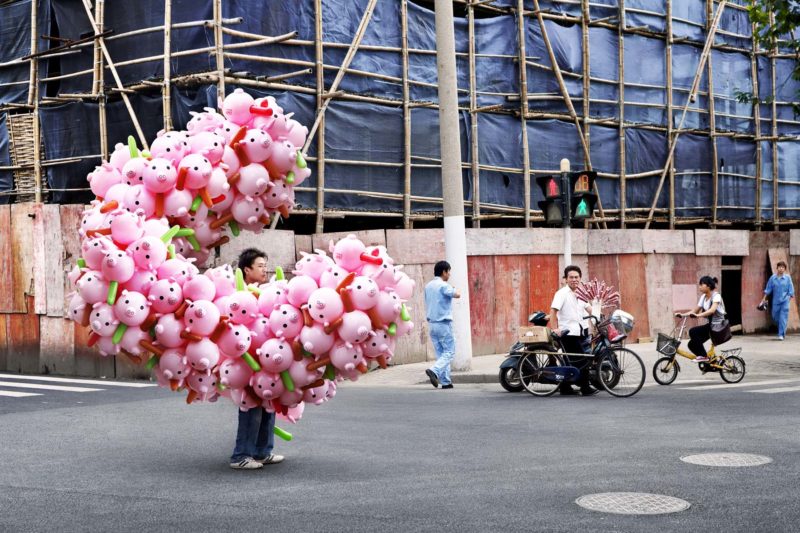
(249, 256)
(572, 268)
(440, 268)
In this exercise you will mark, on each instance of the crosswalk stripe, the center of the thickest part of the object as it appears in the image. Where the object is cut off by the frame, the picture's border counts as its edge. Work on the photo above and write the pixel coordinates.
(681, 382)
(776, 390)
(744, 384)
(78, 381)
(46, 387)
(16, 394)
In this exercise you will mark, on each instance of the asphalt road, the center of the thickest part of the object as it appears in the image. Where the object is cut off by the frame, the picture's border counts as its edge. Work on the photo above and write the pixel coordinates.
(474, 458)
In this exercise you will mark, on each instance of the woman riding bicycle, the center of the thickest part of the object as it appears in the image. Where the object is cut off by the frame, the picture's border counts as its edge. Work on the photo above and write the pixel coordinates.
(711, 306)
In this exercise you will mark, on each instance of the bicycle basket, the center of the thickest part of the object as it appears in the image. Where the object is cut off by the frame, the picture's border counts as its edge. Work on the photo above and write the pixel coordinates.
(666, 344)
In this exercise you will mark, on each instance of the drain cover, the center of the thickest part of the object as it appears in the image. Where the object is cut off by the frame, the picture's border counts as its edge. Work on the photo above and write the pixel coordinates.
(727, 459)
(632, 503)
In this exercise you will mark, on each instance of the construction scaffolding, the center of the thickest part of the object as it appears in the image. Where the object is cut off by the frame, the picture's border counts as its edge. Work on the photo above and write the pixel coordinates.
(642, 91)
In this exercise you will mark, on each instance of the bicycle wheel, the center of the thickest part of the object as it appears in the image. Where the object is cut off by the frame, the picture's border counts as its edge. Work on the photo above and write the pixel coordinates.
(663, 372)
(732, 369)
(533, 373)
(621, 372)
(510, 380)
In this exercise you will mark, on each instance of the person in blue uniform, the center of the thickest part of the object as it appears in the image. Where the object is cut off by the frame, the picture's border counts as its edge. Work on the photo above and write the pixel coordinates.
(781, 289)
(439, 307)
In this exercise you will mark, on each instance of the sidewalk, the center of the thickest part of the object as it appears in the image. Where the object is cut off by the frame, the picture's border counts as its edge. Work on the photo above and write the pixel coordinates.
(764, 356)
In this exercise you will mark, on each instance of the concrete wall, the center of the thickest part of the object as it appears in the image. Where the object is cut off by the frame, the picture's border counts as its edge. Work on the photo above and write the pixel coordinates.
(512, 271)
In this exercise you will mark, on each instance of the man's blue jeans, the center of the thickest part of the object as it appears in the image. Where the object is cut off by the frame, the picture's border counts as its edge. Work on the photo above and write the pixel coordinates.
(780, 314)
(255, 437)
(445, 347)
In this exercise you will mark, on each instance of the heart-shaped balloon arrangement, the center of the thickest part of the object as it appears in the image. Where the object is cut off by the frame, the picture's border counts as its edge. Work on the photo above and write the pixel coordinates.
(155, 220)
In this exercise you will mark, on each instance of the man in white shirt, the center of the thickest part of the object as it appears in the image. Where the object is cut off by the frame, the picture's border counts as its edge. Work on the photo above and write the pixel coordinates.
(566, 318)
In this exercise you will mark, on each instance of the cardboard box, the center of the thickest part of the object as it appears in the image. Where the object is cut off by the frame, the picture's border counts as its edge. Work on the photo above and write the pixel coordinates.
(533, 334)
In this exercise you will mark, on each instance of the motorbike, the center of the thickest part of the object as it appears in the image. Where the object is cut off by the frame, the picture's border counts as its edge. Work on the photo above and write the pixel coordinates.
(509, 374)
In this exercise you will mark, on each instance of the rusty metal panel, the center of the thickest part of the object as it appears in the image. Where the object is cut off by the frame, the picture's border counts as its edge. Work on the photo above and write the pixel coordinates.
(57, 348)
(755, 274)
(684, 269)
(23, 341)
(633, 292)
(22, 256)
(658, 271)
(511, 297)
(604, 268)
(55, 270)
(71, 216)
(6, 280)
(415, 246)
(3, 341)
(781, 254)
(413, 348)
(302, 243)
(482, 304)
(40, 253)
(544, 279)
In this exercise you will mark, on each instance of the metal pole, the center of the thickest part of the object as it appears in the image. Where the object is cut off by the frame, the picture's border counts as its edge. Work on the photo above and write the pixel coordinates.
(455, 240)
(565, 218)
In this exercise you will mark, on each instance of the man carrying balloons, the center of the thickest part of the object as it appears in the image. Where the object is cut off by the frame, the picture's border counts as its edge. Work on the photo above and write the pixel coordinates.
(254, 437)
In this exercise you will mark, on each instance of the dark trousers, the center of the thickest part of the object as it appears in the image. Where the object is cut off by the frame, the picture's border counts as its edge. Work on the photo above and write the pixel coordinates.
(697, 336)
(578, 344)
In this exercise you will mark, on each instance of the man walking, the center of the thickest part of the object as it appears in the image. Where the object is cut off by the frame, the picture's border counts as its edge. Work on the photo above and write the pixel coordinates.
(438, 303)
(254, 437)
(781, 289)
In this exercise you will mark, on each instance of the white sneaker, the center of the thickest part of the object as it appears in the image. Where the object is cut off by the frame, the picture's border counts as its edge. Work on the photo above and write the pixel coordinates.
(780, 338)
(271, 459)
(248, 463)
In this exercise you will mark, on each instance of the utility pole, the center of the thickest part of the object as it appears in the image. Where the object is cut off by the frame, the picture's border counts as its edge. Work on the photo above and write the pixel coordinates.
(455, 239)
(566, 223)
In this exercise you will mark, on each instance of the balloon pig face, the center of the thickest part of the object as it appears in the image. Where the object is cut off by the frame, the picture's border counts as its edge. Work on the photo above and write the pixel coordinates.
(203, 355)
(257, 144)
(285, 322)
(325, 305)
(253, 180)
(363, 293)
(199, 288)
(241, 307)
(117, 266)
(173, 365)
(103, 321)
(126, 227)
(234, 373)
(165, 296)
(159, 176)
(267, 385)
(236, 107)
(313, 265)
(315, 340)
(346, 358)
(235, 340)
(132, 308)
(355, 327)
(148, 253)
(102, 178)
(275, 356)
(168, 331)
(201, 318)
(347, 253)
(203, 383)
(195, 170)
(300, 288)
(92, 287)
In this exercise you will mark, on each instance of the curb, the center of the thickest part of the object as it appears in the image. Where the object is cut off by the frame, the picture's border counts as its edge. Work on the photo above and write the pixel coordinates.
(468, 378)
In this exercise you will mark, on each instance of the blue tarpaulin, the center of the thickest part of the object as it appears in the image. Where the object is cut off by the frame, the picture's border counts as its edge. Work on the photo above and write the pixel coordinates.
(358, 131)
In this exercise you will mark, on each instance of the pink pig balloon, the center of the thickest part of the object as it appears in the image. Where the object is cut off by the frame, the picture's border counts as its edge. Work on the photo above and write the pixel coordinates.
(201, 318)
(93, 251)
(315, 340)
(299, 289)
(141, 281)
(275, 356)
(301, 375)
(223, 279)
(92, 287)
(168, 331)
(204, 384)
(178, 268)
(159, 176)
(244, 399)
(195, 170)
(234, 373)
(132, 308)
(103, 321)
(133, 171)
(257, 144)
(119, 156)
(259, 332)
(131, 339)
(165, 296)
(316, 395)
(106, 346)
(236, 107)
(138, 198)
(253, 180)
(355, 327)
(203, 355)
(404, 286)
(241, 307)
(285, 322)
(388, 307)
(102, 178)
(126, 227)
(208, 144)
(199, 288)
(325, 306)
(173, 365)
(117, 266)
(272, 294)
(267, 385)
(177, 203)
(235, 340)
(332, 276)
(284, 155)
(363, 293)
(347, 252)
(346, 357)
(379, 343)
(313, 265)
(149, 253)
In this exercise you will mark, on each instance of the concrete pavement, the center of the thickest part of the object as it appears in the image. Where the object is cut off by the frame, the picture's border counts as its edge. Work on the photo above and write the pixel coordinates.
(764, 356)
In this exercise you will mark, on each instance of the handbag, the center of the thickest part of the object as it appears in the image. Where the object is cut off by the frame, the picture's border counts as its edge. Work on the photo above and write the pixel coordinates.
(721, 332)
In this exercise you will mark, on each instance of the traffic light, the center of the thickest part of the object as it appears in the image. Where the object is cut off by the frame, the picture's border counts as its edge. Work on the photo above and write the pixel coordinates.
(583, 198)
(553, 204)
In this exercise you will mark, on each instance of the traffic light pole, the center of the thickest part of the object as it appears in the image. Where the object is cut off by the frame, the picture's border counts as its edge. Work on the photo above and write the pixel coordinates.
(566, 220)
(455, 240)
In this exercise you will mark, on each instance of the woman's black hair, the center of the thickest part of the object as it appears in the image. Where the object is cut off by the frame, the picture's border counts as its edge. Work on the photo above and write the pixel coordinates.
(709, 282)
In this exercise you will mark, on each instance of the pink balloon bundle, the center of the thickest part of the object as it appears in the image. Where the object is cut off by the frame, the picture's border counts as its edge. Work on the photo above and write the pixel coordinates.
(156, 218)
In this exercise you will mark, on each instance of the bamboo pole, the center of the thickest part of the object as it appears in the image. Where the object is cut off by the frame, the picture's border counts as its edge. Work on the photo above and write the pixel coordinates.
(757, 119)
(166, 91)
(33, 99)
(523, 91)
(623, 191)
(218, 51)
(668, 55)
(107, 56)
(100, 80)
(712, 122)
(695, 82)
(775, 173)
(320, 73)
(473, 119)
(407, 220)
(351, 52)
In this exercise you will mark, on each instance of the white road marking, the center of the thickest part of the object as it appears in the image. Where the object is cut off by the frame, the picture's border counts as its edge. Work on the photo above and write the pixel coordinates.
(724, 385)
(78, 381)
(46, 387)
(15, 394)
(679, 381)
(776, 390)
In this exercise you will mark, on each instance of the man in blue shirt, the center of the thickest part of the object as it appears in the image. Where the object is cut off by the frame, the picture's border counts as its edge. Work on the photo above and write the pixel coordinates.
(781, 289)
(438, 304)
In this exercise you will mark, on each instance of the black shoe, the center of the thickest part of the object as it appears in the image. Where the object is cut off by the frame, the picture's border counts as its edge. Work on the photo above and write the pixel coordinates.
(433, 377)
(567, 391)
(589, 391)
(447, 386)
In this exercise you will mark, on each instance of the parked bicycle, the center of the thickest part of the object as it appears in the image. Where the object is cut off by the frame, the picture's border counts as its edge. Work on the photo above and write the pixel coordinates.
(728, 363)
(617, 370)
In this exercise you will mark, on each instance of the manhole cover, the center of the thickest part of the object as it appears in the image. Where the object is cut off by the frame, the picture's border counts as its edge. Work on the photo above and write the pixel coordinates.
(632, 503)
(727, 459)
